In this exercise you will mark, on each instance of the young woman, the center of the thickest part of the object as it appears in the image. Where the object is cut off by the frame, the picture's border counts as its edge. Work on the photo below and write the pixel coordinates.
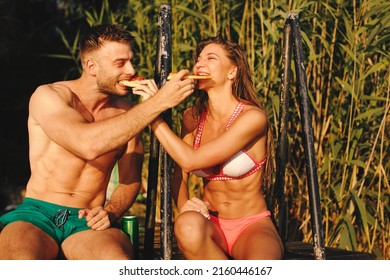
(225, 140)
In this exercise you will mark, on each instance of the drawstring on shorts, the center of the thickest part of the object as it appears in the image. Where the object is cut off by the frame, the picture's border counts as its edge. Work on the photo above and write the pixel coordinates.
(60, 218)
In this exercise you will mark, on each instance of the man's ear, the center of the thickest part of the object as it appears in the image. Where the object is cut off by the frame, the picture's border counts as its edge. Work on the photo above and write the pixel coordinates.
(91, 66)
(232, 73)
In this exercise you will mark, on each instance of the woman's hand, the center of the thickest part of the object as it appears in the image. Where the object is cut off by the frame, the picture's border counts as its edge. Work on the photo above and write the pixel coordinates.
(197, 205)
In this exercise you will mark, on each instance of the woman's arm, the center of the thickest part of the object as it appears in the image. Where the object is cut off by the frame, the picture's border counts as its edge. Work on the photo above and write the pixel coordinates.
(180, 191)
(180, 178)
(180, 187)
(248, 126)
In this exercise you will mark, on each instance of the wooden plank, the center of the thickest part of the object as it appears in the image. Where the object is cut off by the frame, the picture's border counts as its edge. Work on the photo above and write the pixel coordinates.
(297, 250)
(294, 250)
(157, 252)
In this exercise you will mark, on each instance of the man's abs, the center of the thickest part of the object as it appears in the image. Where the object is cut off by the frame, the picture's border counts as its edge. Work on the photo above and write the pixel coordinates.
(86, 191)
(60, 177)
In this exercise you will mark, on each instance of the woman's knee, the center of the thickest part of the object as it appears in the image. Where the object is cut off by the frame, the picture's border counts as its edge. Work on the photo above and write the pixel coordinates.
(190, 227)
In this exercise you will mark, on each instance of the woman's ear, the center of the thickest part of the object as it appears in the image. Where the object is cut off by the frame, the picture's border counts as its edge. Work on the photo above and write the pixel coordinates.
(232, 73)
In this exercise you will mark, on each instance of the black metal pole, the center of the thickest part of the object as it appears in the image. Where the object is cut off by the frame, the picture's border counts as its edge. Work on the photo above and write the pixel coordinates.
(151, 197)
(282, 154)
(164, 67)
(311, 166)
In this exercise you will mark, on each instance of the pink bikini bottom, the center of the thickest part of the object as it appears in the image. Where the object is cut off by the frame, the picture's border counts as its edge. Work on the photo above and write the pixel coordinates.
(233, 228)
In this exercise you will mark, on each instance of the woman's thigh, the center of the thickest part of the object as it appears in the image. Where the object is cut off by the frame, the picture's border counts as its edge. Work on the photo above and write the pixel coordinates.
(259, 240)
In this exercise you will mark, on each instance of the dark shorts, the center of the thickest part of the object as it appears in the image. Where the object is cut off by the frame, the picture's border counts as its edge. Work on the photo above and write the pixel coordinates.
(57, 221)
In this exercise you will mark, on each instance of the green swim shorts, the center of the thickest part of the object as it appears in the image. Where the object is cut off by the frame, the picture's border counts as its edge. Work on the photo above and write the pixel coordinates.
(57, 221)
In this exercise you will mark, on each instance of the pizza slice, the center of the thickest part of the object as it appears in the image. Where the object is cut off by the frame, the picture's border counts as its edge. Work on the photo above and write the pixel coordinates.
(190, 76)
(133, 82)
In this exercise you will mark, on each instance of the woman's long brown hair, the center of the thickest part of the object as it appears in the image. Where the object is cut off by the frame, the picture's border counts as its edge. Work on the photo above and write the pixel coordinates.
(243, 90)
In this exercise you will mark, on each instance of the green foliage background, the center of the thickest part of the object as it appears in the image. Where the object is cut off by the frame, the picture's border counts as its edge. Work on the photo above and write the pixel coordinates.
(346, 44)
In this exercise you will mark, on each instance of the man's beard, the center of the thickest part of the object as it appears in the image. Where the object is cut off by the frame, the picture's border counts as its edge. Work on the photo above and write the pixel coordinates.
(108, 87)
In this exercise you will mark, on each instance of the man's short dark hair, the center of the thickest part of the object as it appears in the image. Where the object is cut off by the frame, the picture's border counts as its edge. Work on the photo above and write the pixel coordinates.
(94, 38)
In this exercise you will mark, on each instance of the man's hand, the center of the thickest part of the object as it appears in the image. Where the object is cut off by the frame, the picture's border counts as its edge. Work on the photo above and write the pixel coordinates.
(97, 218)
(145, 89)
(175, 90)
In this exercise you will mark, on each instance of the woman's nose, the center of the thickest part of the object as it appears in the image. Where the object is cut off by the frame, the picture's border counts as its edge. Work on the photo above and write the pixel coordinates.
(199, 64)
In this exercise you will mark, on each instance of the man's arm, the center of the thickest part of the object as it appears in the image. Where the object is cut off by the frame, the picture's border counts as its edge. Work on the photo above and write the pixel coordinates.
(125, 193)
(130, 180)
(89, 140)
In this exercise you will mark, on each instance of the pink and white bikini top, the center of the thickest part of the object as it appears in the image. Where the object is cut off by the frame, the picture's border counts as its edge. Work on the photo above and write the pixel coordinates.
(239, 166)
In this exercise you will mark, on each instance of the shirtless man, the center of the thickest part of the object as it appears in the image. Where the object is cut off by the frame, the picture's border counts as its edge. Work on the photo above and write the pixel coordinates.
(78, 130)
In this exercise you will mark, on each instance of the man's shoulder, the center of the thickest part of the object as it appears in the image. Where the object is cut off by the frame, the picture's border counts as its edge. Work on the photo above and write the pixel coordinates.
(56, 87)
(52, 90)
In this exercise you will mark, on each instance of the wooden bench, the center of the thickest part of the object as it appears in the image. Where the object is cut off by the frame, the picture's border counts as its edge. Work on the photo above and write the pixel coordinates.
(294, 250)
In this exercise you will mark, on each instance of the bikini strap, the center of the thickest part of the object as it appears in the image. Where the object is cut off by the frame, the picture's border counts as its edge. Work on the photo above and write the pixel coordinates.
(240, 106)
(200, 129)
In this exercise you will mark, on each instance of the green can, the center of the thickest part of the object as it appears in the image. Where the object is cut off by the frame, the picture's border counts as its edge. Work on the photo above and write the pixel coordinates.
(130, 226)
